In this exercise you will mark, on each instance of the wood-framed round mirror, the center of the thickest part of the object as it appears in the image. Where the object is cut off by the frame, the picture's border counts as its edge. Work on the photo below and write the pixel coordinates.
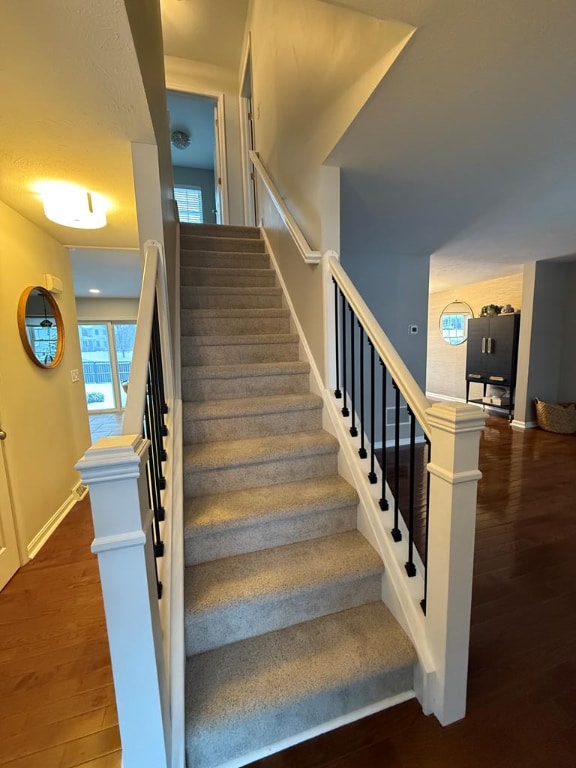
(454, 322)
(41, 327)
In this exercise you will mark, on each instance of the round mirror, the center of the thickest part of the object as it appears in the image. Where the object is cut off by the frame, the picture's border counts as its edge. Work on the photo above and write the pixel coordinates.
(40, 326)
(454, 322)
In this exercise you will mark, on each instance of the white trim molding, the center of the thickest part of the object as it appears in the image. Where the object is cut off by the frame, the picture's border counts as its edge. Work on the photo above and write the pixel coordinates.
(78, 492)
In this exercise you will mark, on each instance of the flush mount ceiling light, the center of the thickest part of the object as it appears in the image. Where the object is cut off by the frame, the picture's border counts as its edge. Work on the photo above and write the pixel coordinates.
(73, 206)
(180, 139)
(93, 290)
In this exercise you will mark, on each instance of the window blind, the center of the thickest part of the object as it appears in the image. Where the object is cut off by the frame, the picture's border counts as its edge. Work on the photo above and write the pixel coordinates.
(189, 201)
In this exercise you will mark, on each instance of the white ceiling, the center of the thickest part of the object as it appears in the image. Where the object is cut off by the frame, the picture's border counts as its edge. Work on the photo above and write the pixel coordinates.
(210, 31)
(194, 115)
(72, 101)
(467, 149)
(117, 274)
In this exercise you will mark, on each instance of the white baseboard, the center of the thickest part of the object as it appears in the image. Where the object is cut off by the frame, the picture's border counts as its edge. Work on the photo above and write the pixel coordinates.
(331, 725)
(78, 492)
(436, 396)
(516, 424)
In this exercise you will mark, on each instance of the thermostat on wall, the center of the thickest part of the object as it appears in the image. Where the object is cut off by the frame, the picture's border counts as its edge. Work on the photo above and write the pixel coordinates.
(53, 284)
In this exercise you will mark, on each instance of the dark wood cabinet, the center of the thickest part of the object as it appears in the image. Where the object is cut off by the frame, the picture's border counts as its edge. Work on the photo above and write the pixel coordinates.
(492, 354)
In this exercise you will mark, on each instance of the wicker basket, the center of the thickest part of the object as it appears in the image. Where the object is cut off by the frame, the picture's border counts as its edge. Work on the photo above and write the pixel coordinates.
(556, 417)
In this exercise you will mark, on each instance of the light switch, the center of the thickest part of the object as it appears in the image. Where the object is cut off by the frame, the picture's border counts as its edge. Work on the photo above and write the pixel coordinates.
(75, 373)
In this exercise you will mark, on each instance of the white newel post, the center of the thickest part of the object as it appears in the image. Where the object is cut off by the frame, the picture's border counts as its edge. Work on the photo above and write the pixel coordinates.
(114, 469)
(455, 436)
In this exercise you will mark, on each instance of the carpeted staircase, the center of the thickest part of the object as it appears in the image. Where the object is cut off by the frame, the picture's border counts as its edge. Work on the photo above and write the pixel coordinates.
(284, 625)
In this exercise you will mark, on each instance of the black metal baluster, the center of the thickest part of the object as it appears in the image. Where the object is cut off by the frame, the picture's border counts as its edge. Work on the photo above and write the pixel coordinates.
(337, 392)
(353, 430)
(157, 350)
(423, 601)
(344, 410)
(153, 480)
(410, 567)
(362, 450)
(396, 532)
(372, 474)
(383, 501)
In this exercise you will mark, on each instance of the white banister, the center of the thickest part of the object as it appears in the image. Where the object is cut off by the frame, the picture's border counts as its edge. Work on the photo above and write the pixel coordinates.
(308, 254)
(114, 470)
(154, 289)
(384, 347)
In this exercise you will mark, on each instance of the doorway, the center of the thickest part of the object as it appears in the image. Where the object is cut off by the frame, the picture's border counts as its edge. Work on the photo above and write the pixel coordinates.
(106, 349)
(198, 157)
(9, 555)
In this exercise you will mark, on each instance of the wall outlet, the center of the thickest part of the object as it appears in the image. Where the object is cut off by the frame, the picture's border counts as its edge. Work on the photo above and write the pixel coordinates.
(75, 374)
(412, 329)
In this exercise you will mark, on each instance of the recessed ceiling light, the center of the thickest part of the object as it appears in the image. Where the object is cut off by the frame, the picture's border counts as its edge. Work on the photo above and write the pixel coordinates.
(94, 290)
(73, 206)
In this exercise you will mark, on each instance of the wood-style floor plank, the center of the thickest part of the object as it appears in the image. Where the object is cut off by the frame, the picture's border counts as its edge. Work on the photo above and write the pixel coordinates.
(522, 672)
(57, 706)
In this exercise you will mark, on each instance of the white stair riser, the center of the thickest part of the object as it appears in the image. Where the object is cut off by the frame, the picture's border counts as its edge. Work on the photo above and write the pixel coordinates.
(243, 620)
(229, 326)
(255, 425)
(229, 279)
(285, 470)
(268, 533)
(193, 354)
(193, 299)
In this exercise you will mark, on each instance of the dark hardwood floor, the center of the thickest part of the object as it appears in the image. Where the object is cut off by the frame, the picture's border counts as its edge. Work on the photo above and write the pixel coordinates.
(57, 706)
(522, 682)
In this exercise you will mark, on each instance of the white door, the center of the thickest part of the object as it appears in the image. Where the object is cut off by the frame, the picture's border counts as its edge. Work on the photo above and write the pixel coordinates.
(9, 558)
(217, 170)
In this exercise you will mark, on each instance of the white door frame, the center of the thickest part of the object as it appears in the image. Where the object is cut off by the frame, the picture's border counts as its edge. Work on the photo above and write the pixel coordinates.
(220, 140)
(246, 137)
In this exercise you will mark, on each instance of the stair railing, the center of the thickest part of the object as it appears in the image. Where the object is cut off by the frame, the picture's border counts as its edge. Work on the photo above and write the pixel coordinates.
(131, 494)
(414, 465)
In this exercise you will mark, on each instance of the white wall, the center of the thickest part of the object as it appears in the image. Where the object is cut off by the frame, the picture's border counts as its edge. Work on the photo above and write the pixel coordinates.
(314, 65)
(124, 310)
(43, 413)
(446, 363)
(195, 77)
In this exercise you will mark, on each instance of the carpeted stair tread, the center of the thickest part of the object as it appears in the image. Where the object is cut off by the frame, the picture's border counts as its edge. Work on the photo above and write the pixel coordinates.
(279, 571)
(227, 277)
(235, 339)
(211, 243)
(251, 694)
(220, 409)
(199, 296)
(229, 259)
(223, 511)
(240, 312)
(244, 369)
(219, 230)
(236, 453)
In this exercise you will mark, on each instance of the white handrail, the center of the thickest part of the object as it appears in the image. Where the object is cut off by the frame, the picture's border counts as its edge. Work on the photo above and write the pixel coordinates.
(310, 256)
(382, 344)
(134, 413)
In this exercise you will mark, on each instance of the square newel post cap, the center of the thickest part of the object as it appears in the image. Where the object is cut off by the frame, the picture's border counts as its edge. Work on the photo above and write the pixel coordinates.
(113, 458)
(455, 417)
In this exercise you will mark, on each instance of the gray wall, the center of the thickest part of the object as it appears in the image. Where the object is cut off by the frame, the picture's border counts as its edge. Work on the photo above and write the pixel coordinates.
(199, 177)
(546, 357)
(394, 285)
(567, 384)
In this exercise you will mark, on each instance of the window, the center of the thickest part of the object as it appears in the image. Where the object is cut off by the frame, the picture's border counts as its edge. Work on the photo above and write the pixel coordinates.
(189, 201)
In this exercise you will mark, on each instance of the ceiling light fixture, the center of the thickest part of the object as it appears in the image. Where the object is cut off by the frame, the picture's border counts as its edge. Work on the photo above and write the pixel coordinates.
(93, 290)
(180, 139)
(73, 206)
